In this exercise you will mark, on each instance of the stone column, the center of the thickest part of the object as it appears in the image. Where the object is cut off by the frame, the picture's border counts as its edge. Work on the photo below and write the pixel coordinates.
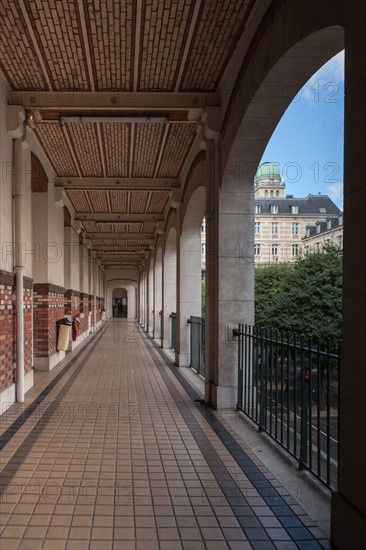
(229, 277)
(169, 287)
(158, 304)
(348, 526)
(151, 299)
(131, 303)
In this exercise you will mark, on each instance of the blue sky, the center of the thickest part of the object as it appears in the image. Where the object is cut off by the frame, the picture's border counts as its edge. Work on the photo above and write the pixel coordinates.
(308, 141)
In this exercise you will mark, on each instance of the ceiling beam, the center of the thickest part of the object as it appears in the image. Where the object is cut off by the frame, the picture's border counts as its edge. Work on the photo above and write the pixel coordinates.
(113, 101)
(118, 183)
(105, 249)
(125, 218)
(120, 236)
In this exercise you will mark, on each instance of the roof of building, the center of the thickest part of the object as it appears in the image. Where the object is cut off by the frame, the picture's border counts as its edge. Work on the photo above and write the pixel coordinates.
(268, 171)
(322, 226)
(310, 205)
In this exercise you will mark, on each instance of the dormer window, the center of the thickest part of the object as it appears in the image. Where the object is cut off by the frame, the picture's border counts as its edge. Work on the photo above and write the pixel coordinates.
(274, 209)
(294, 209)
(318, 228)
(329, 224)
(257, 208)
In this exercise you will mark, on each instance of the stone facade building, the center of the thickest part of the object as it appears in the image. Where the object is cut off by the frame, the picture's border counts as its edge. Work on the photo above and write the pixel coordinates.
(282, 221)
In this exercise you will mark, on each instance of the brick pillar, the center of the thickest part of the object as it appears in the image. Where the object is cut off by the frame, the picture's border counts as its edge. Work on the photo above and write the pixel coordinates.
(7, 331)
(48, 307)
(84, 312)
(28, 324)
(72, 302)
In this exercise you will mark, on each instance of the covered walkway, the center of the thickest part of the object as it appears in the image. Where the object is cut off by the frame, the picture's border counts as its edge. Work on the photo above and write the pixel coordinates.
(115, 450)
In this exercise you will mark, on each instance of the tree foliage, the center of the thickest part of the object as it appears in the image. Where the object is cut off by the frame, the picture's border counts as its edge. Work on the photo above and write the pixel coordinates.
(304, 297)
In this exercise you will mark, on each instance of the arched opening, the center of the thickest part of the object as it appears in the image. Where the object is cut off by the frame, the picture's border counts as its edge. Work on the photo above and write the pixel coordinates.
(265, 358)
(170, 291)
(158, 288)
(192, 252)
(120, 303)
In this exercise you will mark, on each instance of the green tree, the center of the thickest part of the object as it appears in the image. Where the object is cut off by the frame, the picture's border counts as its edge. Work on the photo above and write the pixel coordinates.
(305, 297)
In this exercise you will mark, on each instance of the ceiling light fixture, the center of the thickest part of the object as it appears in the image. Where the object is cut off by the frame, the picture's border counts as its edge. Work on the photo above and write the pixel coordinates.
(120, 119)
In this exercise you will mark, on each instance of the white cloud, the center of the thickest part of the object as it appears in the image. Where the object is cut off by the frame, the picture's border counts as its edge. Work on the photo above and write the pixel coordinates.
(335, 192)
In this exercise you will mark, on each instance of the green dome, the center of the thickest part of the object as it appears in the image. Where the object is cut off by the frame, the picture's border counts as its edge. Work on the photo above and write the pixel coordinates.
(268, 171)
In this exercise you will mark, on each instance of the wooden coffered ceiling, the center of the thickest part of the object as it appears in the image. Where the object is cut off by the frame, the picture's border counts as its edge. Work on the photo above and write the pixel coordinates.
(119, 87)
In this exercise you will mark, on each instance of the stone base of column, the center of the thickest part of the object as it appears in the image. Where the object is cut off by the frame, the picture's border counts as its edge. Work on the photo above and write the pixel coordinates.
(348, 524)
(45, 364)
(183, 359)
(224, 397)
(165, 343)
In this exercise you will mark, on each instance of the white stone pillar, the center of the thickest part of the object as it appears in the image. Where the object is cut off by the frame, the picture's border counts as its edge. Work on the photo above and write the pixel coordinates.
(229, 279)
(151, 301)
(131, 303)
(158, 300)
(169, 286)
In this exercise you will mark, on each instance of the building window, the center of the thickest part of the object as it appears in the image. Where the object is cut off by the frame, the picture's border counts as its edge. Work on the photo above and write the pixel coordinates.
(257, 208)
(274, 228)
(294, 209)
(266, 193)
(274, 209)
(277, 193)
(257, 228)
(295, 228)
(271, 193)
(203, 249)
(274, 250)
(295, 249)
(257, 249)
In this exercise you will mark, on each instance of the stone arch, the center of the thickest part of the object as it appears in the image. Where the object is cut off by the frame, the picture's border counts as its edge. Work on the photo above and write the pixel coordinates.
(274, 76)
(130, 286)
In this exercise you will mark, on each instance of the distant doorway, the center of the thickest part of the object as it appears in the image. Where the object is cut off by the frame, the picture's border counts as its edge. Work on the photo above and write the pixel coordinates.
(119, 302)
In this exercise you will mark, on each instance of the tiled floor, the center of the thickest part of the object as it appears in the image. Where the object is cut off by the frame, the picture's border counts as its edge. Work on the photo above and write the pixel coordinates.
(113, 452)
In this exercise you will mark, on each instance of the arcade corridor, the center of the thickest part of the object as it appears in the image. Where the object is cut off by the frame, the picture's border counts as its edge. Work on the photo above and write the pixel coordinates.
(113, 451)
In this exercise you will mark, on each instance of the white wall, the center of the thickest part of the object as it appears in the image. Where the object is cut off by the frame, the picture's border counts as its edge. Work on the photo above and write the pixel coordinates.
(6, 208)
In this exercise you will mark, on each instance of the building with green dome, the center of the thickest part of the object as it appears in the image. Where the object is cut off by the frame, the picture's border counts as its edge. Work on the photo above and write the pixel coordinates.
(286, 226)
(268, 181)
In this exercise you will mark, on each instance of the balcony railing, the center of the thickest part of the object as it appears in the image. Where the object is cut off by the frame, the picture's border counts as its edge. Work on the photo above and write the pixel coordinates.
(197, 346)
(288, 384)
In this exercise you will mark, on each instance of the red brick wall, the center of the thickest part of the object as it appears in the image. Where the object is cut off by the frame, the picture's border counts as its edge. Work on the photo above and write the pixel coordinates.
(48, 301)
(84, 308)
(7, 330)
(72, 302)
(28, 329)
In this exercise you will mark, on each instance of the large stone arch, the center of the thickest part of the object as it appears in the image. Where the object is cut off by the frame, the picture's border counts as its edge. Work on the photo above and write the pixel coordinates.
(272, 72)
(252, 119)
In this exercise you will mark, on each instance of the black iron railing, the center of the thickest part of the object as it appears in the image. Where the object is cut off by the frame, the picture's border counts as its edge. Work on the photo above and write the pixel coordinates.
(288, 384)
(197, 346)
(173, 344)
